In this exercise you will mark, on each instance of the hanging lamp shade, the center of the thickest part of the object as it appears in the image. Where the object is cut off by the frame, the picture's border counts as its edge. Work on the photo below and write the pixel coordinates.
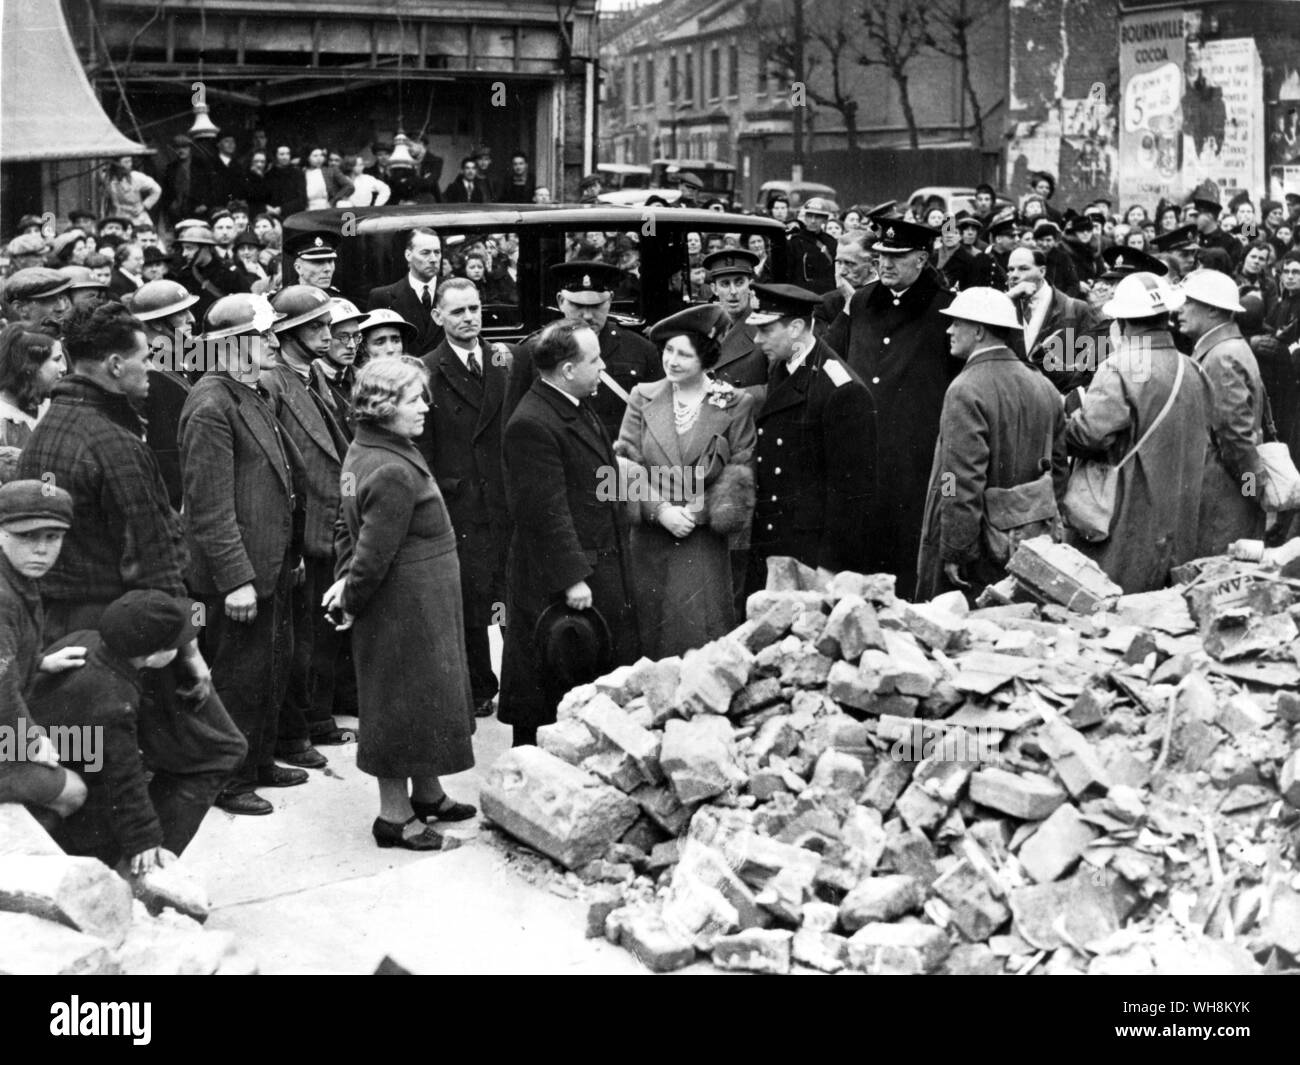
(203, 126)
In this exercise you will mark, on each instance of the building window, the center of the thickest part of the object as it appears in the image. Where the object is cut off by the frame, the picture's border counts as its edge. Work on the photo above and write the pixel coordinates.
(688, 97)
(733, 71)
(672, 79)
(715, 73)
(636, 83)
(760, 70)
(649, 80)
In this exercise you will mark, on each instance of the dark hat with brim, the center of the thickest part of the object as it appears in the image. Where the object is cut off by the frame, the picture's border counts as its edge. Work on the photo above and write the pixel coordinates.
(1004, 221)
(730, 261)
(687, 180)
(965, 220)
(36, 283)
(782, 301)
(898, 237)
(573, 646)
(29, 505)
(1211, 207)
(708, 319)
(1181, 239)
(586, 282)
(312, 246)
(153, 254)
(1121, 261)
(1047, 229)
(882, 210)
(146, 621)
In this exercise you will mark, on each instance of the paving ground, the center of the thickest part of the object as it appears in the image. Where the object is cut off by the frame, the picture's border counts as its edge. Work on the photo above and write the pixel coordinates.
(306, 890)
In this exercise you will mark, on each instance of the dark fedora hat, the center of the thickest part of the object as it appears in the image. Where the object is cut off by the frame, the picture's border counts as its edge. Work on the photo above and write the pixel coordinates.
(573, 646)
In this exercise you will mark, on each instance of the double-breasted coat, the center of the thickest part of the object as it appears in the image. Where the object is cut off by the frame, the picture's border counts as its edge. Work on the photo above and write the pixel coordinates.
(1232, 496)
(567, 529)
(1003, 425)
(1158, 492)
(684, 593)
(461, 443)
(397, 550)
(815, 469)
(896, 344)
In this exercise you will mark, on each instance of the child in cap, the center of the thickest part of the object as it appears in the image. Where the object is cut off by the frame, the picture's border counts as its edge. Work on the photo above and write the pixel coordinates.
(33, 519)
(118, 824)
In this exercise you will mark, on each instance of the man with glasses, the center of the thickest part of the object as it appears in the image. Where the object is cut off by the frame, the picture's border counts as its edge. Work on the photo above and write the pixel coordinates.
(334, 372)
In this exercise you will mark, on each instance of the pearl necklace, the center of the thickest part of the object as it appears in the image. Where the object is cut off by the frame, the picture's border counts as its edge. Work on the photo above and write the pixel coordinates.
(686, 413)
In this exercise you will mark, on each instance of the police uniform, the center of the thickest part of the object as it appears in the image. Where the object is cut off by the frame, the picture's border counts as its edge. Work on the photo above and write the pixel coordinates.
(815, 462)
(312, 247)
(629, 359)
(1218, 239)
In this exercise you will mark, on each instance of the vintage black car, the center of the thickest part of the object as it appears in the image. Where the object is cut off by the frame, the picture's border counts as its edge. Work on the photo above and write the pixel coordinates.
(372, 240)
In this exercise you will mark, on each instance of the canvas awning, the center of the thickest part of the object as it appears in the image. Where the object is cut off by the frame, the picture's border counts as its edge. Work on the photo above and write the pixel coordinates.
(47, 108)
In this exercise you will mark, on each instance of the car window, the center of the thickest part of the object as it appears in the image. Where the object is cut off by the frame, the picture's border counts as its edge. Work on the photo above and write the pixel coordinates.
(490, 260)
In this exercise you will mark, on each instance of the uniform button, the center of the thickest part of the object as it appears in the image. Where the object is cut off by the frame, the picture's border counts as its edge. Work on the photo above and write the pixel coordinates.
(895, 303)
(769, 526)
(774, 499)
(875, 380)
(779, 441)
(760, 458)
(760, 432)
(886, 340)
(777, 470)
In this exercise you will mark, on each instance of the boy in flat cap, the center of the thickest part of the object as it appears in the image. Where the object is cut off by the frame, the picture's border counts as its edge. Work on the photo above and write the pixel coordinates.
(33, 518)
(138, 631)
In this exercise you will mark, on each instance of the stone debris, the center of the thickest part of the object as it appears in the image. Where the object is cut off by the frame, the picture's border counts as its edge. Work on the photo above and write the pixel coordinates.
(1063, 780)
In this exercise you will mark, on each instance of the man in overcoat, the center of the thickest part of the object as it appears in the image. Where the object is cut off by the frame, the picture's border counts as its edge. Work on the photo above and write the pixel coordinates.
(892, 336)
(569, 543)
(412, 295)
(462, 444)
(815, 463)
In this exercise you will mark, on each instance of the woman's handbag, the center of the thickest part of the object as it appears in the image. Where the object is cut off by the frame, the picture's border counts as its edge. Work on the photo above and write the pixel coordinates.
(1089, 503)
(1282, 481)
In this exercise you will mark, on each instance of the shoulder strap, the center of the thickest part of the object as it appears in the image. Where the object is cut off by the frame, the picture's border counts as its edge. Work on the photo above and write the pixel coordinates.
(1173, 394)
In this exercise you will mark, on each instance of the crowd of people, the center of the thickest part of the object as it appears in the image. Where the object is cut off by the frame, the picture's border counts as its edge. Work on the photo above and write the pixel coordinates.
(237, 507)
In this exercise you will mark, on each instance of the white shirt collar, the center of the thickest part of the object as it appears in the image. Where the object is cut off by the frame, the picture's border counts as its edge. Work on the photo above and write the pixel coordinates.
(464, 353)
(798, 361)
(419, 286)
(571, 399)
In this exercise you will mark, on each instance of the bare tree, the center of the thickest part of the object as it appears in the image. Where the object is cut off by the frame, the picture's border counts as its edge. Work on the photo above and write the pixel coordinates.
(896, 31)
(831, 42)
(950, 25)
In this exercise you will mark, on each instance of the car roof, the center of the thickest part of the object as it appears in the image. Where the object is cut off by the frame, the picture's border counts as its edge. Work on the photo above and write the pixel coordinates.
(790, 186)
(362, 220)
(623, 168)
(691, 164)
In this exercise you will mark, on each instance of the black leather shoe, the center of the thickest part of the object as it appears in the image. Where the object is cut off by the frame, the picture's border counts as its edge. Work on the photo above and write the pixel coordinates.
(278, 776)
(392, 834)
(308, 759)
(335, 737)
(486, 707)
(243, 802)
(446, 810)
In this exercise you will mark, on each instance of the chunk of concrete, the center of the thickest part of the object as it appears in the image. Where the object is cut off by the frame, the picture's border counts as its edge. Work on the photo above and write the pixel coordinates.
(880, 898)
(1028, 796)
(21, 833)
(711, 675)
(821, 950)
(568, 739)
(898, 948)
(32, 946)
(699, 758)
(554, 807)
(755, 950)
(173, 945)
(851, 628)
(82, 893)
(616, 730)
(1057, 845)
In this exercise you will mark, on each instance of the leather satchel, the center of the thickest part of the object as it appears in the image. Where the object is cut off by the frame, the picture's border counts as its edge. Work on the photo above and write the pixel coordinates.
(1089, 503)
(1018, 513)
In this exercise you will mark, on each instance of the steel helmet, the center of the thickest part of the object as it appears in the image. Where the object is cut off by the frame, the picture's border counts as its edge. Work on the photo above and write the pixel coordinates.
(384, 316)
(200, 234)
(342, 310)
(1213, 289)
(243, 314)
(158, 299)
(985, 306)
(1142, 294)
(300, 304)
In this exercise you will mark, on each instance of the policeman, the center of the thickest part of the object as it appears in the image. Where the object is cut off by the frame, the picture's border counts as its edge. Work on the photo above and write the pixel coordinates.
(1182, 245)
(584, 293)
(312, 257)
(1210, 235)
(1001, 235)
(731, 273)
(165, 309)
(810, 249)
(815, 464)
(206, 276)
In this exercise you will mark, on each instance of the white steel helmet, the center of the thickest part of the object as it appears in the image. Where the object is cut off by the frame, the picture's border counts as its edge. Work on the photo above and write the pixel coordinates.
(1214, 289)
(1141, 295)
(986, 306)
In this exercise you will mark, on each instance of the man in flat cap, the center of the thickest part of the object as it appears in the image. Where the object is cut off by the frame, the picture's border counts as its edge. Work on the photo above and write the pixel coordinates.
(38, 297)
(893, 337)
(26, 250)
(816, 461)
(584, 293)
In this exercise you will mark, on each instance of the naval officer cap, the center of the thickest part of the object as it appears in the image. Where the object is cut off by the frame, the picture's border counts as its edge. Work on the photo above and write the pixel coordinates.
(782, 301)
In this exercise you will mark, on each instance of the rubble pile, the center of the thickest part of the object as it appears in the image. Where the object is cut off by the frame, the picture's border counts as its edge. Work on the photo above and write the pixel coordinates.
(64, 915)
(1072, 780)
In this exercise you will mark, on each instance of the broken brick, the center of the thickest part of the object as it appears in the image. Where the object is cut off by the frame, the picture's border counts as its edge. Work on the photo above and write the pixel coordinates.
(711, 675)
(898, 948)
(851, 628)
(568, 739)
(1028, 796)
(1059, 842)
(82, 893)
(879, 898)
(755, 950)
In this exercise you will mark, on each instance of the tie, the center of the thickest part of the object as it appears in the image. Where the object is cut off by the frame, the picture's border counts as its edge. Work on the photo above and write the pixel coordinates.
(425, 301)
(474, 366)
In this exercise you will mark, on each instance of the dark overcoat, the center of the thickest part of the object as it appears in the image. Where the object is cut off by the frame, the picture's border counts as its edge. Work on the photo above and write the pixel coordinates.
(741, 363)
(1003, 425)
(815, 468)
(898, 347)
(400, 297)
(161, 410)
(397, 549)
(558, 462)
(461, 443)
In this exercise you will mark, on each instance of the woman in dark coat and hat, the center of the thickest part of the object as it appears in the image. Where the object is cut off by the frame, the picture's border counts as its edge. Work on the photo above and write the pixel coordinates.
(399, 581)
(690, 440)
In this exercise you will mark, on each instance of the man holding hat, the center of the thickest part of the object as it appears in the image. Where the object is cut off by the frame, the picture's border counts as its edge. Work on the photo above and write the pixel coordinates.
(128, 537)
(585, 291)
(1232, 499)
(1000, 460)
(893, 337)
(142, 630)
(1154, 526)
(1209, 235)
(568, 550)
(241, 474)
(304, 334)
(731, 273)
(810, 250)
(206, 276)
(815, 463)
(312, 257)
(165, 310)
(34, 517)
(39, 297)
